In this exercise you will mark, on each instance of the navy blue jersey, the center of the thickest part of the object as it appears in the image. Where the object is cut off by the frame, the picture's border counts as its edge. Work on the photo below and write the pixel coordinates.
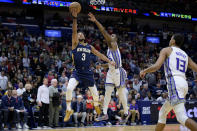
(82, 58)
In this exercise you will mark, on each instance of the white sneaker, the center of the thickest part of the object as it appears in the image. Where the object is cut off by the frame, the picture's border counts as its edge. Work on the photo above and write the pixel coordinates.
(26, 126)
(18, 126)
(109, 124)
(39, 127)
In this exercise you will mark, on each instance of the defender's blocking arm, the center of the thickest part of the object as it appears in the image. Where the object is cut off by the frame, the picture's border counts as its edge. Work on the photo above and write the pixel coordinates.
(106, 35)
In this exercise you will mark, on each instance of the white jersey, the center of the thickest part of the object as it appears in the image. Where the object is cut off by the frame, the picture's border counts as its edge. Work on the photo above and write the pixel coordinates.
(176, 64)
(175, 68)
(116, 57)
(115, 75)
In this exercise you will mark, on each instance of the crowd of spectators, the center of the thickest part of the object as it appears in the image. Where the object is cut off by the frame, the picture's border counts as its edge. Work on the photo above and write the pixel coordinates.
(35, 71)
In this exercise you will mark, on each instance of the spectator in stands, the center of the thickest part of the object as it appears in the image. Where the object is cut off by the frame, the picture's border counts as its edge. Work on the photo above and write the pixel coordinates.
(112, 111)
(158, 91)
(3, 58)
(29, 99)
(144, 90)
(20, 89)
(43, 103)
(8, 103)
(163, 96)
(63, 78)
(3, 82)
(151, 78)
(26, 62)
(79, 111)
(138, 97)
(89, 107)
(149, 97)
(191, 97)
(133, 112)
(20, 111)
(50, 77)
(136, 84)
(54, 106)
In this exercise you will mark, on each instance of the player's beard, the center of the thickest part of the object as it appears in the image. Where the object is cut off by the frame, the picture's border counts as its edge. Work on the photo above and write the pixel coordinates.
(81, 40)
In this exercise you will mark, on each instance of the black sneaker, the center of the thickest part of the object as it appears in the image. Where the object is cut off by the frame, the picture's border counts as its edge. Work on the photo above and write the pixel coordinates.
(82, 125)
(102, 118)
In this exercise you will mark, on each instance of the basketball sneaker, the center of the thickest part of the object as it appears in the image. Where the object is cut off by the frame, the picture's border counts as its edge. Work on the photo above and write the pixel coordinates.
(68, 114)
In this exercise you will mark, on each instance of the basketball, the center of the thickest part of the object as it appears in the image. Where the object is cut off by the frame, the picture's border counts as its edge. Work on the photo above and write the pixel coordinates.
(75, 5)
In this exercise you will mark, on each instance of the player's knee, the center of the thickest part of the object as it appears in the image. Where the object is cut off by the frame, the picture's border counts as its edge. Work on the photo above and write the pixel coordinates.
(181, 118)
(162, 117)
(69, 89)
(109, 90)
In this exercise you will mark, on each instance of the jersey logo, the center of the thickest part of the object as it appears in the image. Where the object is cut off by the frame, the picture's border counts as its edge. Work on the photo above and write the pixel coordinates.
(83, 50)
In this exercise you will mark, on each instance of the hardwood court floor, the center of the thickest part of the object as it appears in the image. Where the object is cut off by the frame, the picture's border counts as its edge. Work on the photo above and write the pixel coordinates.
(173, 127)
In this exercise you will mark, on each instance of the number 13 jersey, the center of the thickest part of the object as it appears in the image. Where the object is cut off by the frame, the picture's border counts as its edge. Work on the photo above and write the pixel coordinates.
(175, 67)
(176, 64)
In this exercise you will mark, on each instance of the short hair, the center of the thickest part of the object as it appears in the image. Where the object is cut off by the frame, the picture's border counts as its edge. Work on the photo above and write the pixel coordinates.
(53, 80)
(179, 39)
(28, 85)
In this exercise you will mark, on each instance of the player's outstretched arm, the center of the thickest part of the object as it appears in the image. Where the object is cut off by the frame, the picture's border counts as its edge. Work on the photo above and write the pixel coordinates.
(164, 53)
(107, 36)
(101, 56)
(192, 65)
(74, 29)
(105, 65)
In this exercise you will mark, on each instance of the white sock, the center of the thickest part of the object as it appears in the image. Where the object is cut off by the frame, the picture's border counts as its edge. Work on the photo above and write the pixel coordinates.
(72, 83)
(123, 99)
(95, 95)
(108, 92)
(68, 104)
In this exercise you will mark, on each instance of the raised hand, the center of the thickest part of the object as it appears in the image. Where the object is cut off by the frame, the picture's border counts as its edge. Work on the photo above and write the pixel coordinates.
(74, 12)
(92, 17)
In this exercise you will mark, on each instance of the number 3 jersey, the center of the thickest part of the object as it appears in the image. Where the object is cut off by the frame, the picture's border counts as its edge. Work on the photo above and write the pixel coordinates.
(175, 67)
(176, 64)
(81, 56)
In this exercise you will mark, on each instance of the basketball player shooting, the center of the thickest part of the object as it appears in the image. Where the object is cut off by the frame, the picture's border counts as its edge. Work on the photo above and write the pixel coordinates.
(175, 62)
(81, 54)
(116, 76)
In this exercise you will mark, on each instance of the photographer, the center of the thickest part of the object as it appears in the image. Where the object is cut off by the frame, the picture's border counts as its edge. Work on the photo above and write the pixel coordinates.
(29, 98)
